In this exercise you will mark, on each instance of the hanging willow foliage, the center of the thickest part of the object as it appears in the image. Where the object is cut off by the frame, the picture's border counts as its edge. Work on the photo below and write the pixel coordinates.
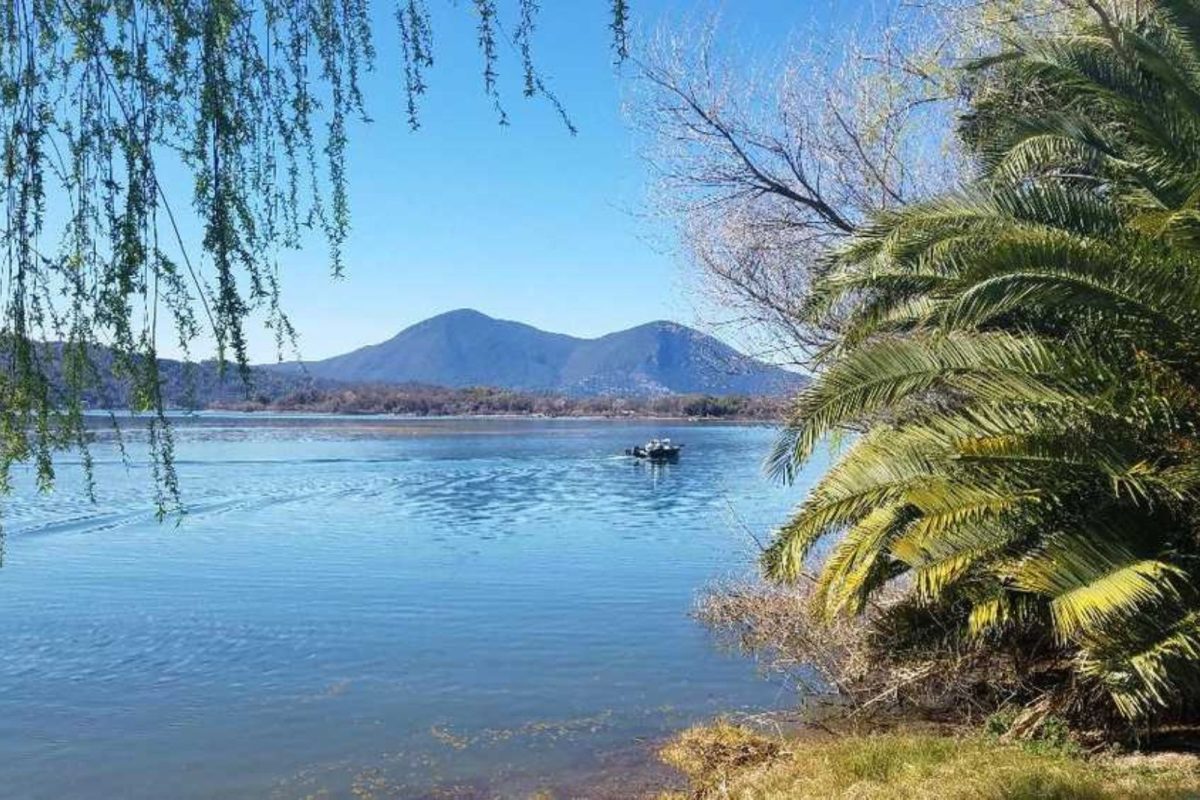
(250, 100)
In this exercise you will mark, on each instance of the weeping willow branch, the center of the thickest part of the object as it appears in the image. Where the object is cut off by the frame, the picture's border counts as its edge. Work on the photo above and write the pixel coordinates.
(104, 104)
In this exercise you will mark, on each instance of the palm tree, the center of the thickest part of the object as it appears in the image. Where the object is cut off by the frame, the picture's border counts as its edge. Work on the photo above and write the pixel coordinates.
(1019, 364)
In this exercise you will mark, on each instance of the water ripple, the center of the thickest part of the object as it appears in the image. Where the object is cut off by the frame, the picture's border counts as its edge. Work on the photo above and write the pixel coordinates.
(336, 591)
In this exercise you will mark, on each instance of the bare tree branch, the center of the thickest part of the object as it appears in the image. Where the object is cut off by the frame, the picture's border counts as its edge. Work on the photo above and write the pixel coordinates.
(762, 178)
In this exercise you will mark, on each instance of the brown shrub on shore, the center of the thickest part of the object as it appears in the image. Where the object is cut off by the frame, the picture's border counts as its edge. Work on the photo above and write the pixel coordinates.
(712, 756)
(899, 658)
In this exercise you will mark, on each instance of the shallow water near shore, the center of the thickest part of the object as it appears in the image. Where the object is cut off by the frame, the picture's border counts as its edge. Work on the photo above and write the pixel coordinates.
(358, 607)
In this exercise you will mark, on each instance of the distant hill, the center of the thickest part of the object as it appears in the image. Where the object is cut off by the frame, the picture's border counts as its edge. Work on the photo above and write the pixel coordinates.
(467, 348)
(195, 385)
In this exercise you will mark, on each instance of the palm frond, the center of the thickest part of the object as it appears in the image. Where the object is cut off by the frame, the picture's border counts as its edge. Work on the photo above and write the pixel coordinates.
(884, 374)
(1093, 578)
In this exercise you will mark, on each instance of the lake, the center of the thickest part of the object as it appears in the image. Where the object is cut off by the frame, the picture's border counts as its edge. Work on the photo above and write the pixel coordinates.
(363, 607)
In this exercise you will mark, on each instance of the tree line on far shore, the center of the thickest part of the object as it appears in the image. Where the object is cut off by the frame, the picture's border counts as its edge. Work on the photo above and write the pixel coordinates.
(419, 400)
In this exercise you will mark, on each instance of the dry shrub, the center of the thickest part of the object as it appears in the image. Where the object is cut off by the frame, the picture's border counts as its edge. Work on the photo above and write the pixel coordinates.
(899, 656)
(711, 755)
(775, 624)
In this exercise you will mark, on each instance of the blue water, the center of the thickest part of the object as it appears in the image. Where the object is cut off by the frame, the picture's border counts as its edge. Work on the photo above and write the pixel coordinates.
(372, 608)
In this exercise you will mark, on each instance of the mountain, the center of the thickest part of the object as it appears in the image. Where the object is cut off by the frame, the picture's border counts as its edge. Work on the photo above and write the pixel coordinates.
(184, 385)
(468, 348)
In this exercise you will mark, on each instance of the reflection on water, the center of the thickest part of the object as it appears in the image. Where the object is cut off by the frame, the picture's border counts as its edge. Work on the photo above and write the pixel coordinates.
(372, 607)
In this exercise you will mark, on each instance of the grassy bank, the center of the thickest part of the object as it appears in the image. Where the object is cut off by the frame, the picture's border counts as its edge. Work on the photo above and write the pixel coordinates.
(727, 761)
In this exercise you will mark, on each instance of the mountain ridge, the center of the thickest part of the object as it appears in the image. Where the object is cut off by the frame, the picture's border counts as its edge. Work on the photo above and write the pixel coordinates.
(466, 347)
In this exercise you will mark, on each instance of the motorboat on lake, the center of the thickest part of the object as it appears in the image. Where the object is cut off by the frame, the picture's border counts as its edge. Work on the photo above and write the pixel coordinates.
(655, 450)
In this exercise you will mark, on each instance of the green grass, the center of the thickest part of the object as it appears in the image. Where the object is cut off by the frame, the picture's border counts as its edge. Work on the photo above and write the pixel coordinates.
(726, 761)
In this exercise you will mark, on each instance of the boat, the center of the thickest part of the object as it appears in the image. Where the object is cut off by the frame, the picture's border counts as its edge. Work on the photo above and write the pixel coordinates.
(655, 450)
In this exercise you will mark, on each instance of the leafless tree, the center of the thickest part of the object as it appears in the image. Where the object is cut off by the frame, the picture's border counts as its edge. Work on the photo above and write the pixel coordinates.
(762, 168)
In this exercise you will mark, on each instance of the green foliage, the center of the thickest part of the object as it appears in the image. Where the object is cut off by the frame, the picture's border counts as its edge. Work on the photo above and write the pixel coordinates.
(103, 103)
(999, 722)
(1019, 360)
(1052, 736)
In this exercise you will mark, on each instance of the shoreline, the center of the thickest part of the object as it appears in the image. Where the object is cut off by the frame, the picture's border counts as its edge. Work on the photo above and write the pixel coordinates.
(910, 757)
(300, 414)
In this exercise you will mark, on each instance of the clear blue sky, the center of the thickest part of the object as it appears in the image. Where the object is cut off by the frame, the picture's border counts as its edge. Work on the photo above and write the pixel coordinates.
(524, 222)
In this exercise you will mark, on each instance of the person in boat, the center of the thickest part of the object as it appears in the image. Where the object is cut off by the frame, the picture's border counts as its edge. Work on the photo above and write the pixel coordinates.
(655, 449)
